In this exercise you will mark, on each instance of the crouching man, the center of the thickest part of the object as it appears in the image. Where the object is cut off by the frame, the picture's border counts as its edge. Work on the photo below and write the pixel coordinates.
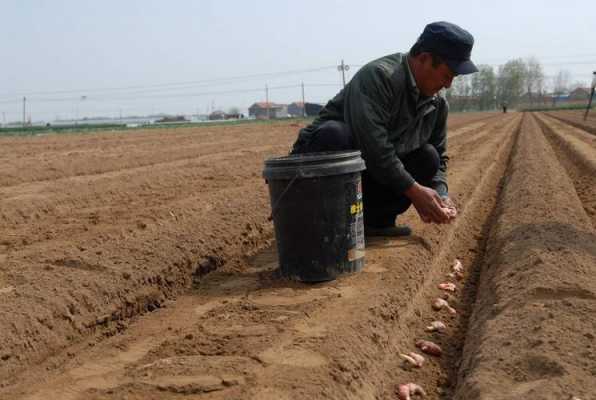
(391, 111)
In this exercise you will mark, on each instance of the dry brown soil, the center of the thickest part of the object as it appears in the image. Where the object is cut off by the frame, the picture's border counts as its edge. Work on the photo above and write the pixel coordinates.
(576, 118)
(140, 265)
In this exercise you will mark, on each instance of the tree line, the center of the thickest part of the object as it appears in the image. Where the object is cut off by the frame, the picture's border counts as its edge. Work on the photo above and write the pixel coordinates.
(517, 82)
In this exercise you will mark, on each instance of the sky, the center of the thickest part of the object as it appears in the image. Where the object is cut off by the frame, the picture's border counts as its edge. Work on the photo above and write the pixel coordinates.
(76, 59)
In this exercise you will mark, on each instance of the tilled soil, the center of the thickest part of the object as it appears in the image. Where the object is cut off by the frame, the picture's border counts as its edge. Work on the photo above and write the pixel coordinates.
(576, 118)
(140, 266)
(531, 335)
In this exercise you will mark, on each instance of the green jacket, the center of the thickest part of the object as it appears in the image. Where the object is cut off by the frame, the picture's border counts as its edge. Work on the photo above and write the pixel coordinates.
(389, 119)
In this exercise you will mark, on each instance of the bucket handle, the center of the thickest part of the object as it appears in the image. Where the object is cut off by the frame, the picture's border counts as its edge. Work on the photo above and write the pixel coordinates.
(276, 204)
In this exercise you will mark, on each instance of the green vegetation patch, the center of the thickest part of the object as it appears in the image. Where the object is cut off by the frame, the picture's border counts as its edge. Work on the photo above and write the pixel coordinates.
(42, 130)
(561, 107)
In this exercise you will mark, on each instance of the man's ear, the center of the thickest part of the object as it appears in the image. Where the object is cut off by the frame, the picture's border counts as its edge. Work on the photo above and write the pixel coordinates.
(424, 58)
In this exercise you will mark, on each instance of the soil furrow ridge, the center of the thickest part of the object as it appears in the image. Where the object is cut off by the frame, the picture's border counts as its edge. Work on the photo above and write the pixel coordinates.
(576, 151)
(531, 332)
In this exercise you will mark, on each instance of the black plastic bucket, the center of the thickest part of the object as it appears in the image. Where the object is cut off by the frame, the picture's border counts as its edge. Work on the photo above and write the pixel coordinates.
(316, 205)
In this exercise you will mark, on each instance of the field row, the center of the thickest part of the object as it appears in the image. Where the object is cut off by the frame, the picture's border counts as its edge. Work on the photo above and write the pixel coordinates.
(97, 229)
(524, 185)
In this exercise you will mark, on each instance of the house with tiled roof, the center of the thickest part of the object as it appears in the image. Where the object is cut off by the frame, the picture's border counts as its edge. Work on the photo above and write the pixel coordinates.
(296, 109)
(264, 110)
(580, 93)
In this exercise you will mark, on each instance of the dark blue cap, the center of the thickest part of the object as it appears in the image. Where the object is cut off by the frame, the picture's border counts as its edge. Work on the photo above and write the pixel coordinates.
(450, 42)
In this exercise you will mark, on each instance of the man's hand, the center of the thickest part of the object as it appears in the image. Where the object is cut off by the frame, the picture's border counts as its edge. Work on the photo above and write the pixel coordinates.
(428, 203)
(449, 207)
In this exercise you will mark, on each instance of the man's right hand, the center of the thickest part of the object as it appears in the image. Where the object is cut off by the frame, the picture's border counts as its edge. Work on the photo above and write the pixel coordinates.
(428, 204)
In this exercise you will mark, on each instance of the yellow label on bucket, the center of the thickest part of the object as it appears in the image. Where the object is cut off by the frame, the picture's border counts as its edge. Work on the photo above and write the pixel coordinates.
(356, 208)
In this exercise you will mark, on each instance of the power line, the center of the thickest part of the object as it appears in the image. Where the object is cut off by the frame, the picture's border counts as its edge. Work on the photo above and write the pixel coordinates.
(171, 95)
(234, 79)
(175, 85)
(544, 57)
(573, 63)
(177, 92)
(157, 88)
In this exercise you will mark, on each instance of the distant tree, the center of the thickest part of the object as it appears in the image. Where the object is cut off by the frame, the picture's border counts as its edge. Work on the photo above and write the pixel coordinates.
(459, 92)
(560, 84)
(511, 78)
(484, 85)
(534, 79)
(233, 110)
(579, 84)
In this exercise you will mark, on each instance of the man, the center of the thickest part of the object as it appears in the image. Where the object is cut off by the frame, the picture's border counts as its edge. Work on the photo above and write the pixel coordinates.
(392, 113)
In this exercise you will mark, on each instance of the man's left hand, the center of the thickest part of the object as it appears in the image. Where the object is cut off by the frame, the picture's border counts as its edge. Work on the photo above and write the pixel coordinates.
(449, 208)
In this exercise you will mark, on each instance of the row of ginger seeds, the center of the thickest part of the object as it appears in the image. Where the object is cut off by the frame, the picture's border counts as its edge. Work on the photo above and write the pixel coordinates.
(407, 390)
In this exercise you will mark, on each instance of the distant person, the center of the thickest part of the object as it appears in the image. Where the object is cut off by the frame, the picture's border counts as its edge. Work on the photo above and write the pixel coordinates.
(504, 105)
(392, 113)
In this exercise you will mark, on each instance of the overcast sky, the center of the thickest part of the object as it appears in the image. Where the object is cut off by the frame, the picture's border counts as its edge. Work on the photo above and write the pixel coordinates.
(85, 58)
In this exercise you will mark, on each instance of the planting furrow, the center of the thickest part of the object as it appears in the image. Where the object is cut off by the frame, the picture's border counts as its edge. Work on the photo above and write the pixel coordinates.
(96, 159)
(341, 330)
(119, 272)
(85, 206)
(531, 330)
(481, 181)
(576, 150)
(575, 119)
(251, 335)
(58, 157)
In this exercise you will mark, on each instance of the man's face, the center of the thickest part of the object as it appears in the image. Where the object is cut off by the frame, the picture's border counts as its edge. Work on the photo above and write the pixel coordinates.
(432, 79)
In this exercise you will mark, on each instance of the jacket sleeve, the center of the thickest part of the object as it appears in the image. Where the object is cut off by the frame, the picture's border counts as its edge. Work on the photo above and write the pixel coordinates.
(368, 102)
(438, 139)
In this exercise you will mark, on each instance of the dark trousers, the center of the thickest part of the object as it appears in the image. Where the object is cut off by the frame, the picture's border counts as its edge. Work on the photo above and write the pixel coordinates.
(381, 203)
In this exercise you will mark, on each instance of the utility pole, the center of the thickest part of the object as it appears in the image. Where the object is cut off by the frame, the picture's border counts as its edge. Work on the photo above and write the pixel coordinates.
(83, 98)
(267, 100)
(591, 95)
(24, 108)
(343, 68)
(303, 103)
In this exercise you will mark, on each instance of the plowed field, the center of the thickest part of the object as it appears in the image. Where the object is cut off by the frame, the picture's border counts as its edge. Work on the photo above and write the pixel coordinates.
(142, 266)
(576, 118)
